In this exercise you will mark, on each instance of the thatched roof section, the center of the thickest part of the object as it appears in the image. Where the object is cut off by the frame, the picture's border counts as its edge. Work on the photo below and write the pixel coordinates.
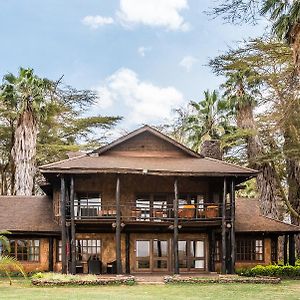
(27, 214)
(249, 219)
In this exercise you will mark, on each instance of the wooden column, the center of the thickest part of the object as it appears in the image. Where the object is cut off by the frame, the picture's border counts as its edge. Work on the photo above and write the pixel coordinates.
(292, 258)
(175, 233)
(127, 252)
(285, 250)
(224, 247)
(50, 269)
(232, 228)
(63, 225)
(118, 228)
(73, 231)
(212, 250)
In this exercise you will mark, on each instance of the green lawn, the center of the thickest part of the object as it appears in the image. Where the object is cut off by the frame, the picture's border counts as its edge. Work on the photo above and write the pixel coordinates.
(23, 290)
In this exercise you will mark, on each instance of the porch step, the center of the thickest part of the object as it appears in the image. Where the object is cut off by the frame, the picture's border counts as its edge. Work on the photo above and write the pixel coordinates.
(149, 279)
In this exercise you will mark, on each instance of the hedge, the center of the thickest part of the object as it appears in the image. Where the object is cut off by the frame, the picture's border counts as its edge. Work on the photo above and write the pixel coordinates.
(271, 270)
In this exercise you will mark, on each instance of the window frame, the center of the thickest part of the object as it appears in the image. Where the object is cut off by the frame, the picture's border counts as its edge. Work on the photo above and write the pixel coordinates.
(16, 254)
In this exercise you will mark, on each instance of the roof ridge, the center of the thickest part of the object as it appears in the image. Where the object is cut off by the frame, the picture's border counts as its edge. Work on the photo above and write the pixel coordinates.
(153, 131)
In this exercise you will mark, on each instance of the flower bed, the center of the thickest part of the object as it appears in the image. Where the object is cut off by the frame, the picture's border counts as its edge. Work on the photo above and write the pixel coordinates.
(55, 279)
(221, 279)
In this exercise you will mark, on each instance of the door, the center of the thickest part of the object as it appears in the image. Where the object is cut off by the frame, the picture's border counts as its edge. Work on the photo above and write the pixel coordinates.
(151, 255)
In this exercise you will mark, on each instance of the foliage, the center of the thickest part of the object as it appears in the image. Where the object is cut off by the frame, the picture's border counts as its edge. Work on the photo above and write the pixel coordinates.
(271, 270)
(8, 263)
(60, 114)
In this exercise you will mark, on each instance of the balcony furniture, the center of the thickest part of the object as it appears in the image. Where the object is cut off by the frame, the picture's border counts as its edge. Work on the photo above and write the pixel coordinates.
(107, 213)
(79, 268)
(212, 211)
(111, 267)
(94, 265)
(188, 211)
(158, 213)
(136, 213)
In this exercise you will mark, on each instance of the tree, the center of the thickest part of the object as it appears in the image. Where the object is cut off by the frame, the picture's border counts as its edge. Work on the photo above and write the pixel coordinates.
(7, 262)
(41, 115)
(271, 64)
(201, 121)
(283, 14)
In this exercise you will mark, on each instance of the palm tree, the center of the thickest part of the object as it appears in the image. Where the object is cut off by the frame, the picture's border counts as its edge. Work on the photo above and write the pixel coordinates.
(7, 262)
(285, 16)
(206, 121)
(27, 96)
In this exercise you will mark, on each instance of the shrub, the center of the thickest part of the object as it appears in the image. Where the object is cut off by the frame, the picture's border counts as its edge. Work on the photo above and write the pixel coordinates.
(271, 270)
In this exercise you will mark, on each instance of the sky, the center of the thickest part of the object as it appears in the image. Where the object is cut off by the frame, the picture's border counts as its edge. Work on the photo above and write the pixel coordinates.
(143, 57)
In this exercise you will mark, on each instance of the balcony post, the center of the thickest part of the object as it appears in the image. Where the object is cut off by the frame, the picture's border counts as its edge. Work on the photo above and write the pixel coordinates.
(292, 259)
(73, 231)
(232, 228)
(118, 228)
(63, 225)
(285, 250)
(224, 246)
(175, 233)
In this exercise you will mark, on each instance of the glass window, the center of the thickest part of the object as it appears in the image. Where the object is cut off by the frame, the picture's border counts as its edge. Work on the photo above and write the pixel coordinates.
(191, 254)
(25, 250)
(143, 254)
(160, 248)
(87, 205)
(249, 249)
(88, 248)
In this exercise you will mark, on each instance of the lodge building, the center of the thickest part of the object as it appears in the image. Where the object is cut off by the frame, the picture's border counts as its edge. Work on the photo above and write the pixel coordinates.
(142, 204)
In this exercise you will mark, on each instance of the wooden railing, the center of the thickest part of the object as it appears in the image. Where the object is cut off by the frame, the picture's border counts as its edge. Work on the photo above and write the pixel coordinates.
(146, 213)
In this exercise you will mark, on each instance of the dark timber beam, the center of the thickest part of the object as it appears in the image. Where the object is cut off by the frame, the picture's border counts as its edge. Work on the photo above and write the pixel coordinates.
(73, 232)
(50, 254)
(127, 242)
(224, 248)
(63, 225)
(285, 250)
(118, 228)
(292, 257)
(212, 250)
(232, 228)
(175, 233)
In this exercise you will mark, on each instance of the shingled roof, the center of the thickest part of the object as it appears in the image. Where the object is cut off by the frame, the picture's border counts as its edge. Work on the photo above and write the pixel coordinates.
(27, 214)
(249, 219)
(193, 164)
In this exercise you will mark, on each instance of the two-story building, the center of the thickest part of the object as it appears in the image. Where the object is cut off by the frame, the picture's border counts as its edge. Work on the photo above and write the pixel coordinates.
(142, 204)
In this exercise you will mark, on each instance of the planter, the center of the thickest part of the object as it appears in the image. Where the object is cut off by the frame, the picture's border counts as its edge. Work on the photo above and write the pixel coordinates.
(212, 211)
(188, 211)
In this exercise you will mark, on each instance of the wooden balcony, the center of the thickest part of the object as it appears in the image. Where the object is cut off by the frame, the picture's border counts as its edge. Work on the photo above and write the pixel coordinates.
(138, 212)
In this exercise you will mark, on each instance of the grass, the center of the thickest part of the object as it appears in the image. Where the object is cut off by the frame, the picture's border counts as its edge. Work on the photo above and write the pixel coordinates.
(21, 289)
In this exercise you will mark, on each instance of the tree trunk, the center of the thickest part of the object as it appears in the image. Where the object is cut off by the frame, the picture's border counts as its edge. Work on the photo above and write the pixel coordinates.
(266, 182)
(23, 153)
(295, 45)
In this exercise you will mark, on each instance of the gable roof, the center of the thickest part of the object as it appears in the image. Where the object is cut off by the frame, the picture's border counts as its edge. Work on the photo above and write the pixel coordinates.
(249, 219)
(192, 165)
(149, 129)
(27, 214)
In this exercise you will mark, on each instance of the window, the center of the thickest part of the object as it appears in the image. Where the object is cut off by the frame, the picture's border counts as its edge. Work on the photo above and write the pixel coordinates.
(87, 205)
(24, 250)
(249, 249)
(151, 206)
(86, 248)
(143, 254)
(191, 254)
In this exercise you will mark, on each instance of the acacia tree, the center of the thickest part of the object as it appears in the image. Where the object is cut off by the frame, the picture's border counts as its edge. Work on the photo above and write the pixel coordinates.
(39, 114)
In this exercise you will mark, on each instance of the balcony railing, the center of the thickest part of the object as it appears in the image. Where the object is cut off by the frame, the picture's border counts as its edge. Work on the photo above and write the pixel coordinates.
(146, 213)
